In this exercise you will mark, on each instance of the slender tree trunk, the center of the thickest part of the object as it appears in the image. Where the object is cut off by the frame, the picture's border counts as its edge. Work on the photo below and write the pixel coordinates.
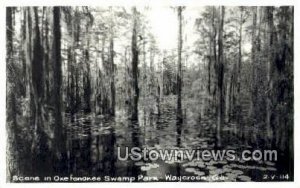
(215, 107)
(240, 56)
(253, 61)
(87, 75)
(135, 61)
(28, 56)
(238, 105)
(47, 60)
(209, 67)
(269, 14)
(103, 94)
(112, 66)
(87, 82)
(220, 68)
(179, 75)
(23, 47)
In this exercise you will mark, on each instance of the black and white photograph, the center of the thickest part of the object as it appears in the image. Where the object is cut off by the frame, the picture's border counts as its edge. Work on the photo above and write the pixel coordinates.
(149, 94)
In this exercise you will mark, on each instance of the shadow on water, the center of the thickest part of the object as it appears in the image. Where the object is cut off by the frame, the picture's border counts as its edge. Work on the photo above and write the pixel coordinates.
(92, 147)
(93, 141)
(134, 128)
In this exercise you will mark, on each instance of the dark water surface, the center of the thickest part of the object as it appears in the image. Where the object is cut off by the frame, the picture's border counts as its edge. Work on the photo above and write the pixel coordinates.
(93, 141)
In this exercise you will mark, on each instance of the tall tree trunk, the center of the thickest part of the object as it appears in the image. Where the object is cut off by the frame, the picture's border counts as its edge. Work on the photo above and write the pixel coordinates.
(270, 51)
(73, 67)
(220, 68)
(47, 59)
(103, 93)
(23, 47)
(87, 74)
(253, 61)
(37, 82)
(37, 62)
(179, 75)
(40, 140)
(11, 85)
(239, 77)
(239, 67)
(215, 106)
(11, 112)
(87, 82)
(59, 139)
(135, 61)
(28, 56)
(112, 66)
